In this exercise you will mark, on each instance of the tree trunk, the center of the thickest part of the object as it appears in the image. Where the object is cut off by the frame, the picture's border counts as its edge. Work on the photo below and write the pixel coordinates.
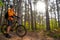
(47, 17)
(55, 17)
(19, 11)
(58, 13)
(31, 15)
(35, 14)
(1, 16)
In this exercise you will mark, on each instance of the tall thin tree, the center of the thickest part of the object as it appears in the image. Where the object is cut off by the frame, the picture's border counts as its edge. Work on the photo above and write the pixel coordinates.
(58, 12)
(32, 27)
(47, 16)
(19, 11)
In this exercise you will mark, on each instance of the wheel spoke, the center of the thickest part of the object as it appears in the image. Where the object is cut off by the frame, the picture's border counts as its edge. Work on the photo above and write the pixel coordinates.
(21, 31)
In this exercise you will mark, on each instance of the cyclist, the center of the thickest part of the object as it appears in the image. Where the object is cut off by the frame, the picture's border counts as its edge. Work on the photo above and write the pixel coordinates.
(11, 13)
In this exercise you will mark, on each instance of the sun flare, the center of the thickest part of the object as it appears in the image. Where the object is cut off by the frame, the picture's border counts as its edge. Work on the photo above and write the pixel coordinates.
(40, 6)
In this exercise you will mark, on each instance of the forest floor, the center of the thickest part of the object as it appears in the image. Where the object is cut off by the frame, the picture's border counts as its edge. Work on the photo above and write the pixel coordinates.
(30, 36)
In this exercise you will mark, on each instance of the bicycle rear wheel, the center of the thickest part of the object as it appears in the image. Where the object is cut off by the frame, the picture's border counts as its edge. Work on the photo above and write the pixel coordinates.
(21, 31)
(4, 28)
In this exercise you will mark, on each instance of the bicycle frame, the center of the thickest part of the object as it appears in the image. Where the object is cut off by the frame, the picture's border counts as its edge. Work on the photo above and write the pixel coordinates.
(14, 25)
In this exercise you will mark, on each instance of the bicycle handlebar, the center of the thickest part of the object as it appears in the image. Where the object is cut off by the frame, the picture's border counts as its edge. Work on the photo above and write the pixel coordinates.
(14, 16)
(17, 16)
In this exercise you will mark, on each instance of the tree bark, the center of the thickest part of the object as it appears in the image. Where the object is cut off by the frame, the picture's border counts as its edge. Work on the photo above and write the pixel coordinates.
(19, 11)
(31, 15)
(47, 17)
(58, 13)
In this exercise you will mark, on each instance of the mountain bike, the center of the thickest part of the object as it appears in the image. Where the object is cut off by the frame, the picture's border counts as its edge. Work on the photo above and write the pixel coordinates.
(19, 29)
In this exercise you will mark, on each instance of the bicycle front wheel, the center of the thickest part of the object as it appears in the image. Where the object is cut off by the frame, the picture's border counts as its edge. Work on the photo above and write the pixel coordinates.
(4, 28)
(21, 31)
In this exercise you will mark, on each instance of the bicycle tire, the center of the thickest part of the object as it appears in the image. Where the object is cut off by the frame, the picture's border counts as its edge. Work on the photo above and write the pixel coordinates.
(21, 31)
(4, 28)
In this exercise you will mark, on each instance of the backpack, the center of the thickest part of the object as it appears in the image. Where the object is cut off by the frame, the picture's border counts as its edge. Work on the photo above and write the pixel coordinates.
(6, 15)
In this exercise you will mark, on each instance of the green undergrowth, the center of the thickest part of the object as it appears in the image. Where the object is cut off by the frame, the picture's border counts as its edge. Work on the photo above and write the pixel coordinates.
(54, 33)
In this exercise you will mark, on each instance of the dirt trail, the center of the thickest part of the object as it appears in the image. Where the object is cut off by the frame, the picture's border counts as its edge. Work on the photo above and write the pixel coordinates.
(30, 36)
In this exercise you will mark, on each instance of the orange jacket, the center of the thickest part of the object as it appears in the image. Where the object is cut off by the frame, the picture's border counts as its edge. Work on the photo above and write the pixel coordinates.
(10, 13)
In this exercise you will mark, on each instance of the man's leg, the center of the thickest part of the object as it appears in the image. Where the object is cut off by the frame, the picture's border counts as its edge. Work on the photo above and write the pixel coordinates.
(8, 29)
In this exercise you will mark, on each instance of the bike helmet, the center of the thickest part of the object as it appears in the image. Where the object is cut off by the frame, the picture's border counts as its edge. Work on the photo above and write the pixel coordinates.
(11, 6)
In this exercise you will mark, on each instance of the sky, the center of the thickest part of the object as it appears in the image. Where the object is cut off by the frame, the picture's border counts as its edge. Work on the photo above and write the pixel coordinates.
(40, 7)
